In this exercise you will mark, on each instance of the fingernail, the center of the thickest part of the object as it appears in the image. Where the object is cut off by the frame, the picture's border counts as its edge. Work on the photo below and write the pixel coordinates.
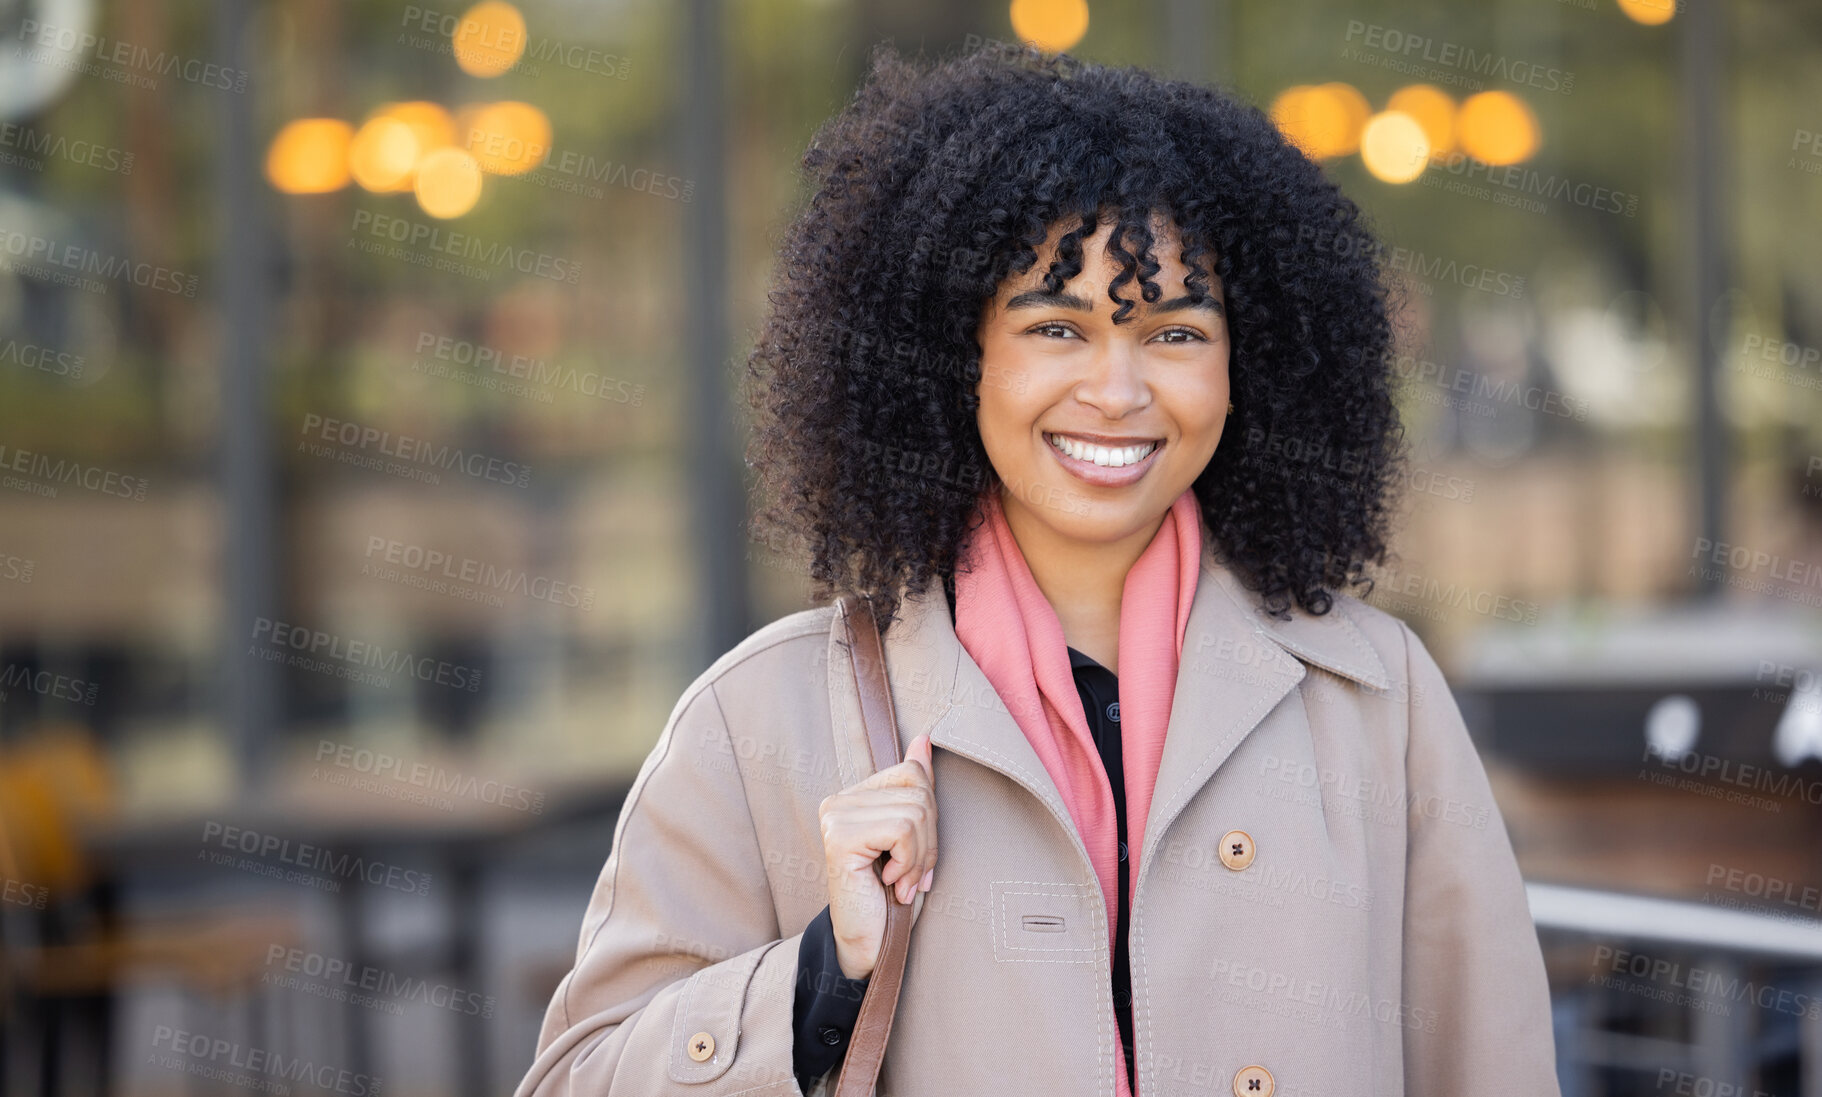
(929, 877)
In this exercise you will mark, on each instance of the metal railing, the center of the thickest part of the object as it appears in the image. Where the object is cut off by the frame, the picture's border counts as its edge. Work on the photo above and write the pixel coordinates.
(1685, 997)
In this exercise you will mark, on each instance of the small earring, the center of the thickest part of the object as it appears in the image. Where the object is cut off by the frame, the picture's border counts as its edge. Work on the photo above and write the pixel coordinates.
(1230, 407)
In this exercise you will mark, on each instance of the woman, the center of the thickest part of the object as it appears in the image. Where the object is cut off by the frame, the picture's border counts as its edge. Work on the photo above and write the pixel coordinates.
(1068, 375)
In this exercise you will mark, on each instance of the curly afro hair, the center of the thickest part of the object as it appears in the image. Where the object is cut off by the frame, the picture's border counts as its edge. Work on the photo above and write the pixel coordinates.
(933, 185)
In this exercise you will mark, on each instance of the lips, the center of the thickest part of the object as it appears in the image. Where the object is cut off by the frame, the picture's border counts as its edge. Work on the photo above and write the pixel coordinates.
(1104, 455)
(1104, 461)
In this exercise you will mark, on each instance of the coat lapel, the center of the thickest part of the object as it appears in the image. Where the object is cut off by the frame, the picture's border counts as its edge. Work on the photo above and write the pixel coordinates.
(1238, 663)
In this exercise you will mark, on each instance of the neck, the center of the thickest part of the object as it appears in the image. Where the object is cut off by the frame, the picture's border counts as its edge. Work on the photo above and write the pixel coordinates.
(1084, 581)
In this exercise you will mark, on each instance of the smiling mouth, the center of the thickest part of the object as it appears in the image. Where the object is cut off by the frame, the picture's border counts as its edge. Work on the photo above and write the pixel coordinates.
(1105, 456)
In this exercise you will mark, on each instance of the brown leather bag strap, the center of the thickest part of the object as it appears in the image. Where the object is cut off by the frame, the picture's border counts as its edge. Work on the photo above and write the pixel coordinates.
(867, 1045)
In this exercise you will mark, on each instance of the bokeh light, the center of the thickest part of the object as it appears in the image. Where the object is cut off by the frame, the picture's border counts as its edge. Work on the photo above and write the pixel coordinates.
(429, 122)
(448, 183)
(1496, 127)
(384, 155)
(1434, 110)
(1651, 13)
(506, 138)
(1394, 147)
(1325, 121)
(1050, 25)
(310, 156)
(489, 39)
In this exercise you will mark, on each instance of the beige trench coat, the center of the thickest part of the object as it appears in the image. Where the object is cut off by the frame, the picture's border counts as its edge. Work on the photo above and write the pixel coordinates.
(1371, 936)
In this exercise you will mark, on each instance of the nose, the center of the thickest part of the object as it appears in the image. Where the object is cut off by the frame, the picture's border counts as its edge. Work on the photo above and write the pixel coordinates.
(1115, 383)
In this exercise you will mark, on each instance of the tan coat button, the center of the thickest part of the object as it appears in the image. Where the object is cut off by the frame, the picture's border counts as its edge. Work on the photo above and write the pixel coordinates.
(1237, 852)
(702, 1045)
(1253, 1082)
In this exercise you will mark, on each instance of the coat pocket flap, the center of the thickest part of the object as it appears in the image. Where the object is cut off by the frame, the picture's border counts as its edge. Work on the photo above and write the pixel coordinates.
(708, 1018)
(1039, 922)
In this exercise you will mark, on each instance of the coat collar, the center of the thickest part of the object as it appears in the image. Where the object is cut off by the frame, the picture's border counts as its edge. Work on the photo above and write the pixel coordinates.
(1238, 663)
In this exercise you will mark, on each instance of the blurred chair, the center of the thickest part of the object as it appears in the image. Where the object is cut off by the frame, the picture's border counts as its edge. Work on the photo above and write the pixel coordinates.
(65, 950)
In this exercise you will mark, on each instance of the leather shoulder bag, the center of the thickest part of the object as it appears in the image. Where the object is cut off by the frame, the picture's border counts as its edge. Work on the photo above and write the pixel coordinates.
(867, 1045)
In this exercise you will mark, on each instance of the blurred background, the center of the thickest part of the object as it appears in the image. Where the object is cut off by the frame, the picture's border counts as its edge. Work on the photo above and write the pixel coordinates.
(370, 486)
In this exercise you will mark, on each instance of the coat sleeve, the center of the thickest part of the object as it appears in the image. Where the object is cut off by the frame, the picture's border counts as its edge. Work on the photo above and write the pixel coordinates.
(1477, 1001)
(680, 949)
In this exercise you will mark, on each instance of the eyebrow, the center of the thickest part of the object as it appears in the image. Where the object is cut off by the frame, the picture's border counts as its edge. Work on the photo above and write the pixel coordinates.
(1035, 299)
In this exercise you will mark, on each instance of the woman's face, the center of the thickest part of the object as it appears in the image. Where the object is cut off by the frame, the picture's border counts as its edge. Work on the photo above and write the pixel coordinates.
(1094, 428)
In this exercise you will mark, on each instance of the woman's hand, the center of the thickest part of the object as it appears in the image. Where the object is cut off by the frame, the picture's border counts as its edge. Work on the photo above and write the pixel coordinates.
(893, 810)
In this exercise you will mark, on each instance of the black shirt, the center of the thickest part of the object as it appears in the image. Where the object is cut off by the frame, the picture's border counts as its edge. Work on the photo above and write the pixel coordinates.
(827, 1003)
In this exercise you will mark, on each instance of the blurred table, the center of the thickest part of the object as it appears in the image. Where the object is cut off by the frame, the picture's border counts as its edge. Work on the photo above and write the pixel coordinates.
(463, 840)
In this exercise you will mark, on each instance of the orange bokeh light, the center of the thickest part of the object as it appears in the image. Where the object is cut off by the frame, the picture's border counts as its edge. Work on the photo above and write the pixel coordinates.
(1496, 127)
(384, 155)
(506, 138)
(1651, 13)
(1394, 147)
(489, 39)
(310, 156)
(1050, 25)
(1324, 121)
(448, 183)
(1434, 110)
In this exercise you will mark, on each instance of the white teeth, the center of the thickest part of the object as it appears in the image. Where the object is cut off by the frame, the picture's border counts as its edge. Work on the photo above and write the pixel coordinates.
(1117, 457)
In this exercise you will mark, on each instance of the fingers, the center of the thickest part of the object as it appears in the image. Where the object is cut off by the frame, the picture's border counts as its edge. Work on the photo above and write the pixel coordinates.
(903, 829)
(891, 812)
(913, 849)
(919, 752)
(915, 770)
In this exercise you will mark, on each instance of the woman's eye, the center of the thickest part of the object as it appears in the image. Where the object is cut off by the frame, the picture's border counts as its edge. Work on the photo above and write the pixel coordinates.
(1063, 331)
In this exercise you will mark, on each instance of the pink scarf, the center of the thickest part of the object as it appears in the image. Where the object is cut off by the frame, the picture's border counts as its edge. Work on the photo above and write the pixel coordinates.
(1009, 627)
